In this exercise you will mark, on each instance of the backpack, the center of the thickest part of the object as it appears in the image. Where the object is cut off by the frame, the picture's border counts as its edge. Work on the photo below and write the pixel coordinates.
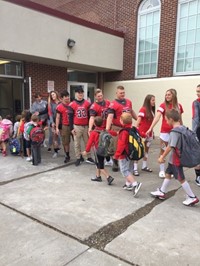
(14, 146)
(5, 129)
(190, 147)
(135, 144)
(37, 135)
(106, 144)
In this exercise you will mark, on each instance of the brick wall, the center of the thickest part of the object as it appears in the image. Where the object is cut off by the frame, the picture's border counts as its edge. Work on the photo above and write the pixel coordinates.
(122, 15)
(41, 73)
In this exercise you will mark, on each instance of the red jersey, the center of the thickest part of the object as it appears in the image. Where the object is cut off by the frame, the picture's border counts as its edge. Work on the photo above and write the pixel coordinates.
(80, 111)
(100, 109)
(63, 110)
(122, 143)
(117, 107)
(145, 122)
(165, 128)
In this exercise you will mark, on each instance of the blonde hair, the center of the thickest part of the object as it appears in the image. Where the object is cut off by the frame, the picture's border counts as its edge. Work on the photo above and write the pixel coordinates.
(126, 118)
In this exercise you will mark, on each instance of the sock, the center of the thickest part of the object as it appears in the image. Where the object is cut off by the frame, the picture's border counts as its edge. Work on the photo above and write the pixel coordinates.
(134, 184)
(165, 184)
(162, 167)
(144, 164)
(135, 166)
(128, 183)
(67, 154)
(187, 189)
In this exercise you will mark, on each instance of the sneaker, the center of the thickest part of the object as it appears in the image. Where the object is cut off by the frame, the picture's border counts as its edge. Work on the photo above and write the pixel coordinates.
(136, 188)
(109, 163)
(96, 178)
(129, 187)
(49, 149)
(162, 174)
(110, 179)
(29, 159)
(67, 159)
(55, 155)
(135, 173)
(78, 162)
(90, 160)
(4, 153)
(158, 194)
(190, 201)
(198, 181)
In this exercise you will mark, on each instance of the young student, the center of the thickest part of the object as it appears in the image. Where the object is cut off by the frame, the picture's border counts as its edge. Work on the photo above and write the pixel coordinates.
(35, 147)
(120, 154)
(16, 126)
(170, 102)
(6, 130)
(94, 141)
(196, 127)
(144, 120)
(27, 123)
(174, 168)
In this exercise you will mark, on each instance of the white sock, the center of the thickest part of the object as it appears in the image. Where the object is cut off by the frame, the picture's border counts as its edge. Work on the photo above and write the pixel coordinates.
(128, 183)
(162, 167)
(135, 166)
(165, 185)
(187, 189)
(134, 184)
(144, 164)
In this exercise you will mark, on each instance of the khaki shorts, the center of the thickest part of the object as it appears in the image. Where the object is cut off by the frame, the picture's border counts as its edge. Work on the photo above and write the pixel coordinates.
(65, 134)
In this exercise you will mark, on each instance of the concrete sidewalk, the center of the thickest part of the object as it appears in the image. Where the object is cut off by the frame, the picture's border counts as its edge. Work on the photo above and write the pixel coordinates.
(52, 214)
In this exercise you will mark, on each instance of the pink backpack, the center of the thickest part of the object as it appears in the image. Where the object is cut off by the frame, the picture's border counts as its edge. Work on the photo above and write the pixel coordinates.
(5, 126)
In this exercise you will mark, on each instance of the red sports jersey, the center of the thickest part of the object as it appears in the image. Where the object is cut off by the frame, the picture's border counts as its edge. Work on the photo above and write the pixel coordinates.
(100, 109)
(62, 109)
(145, 122)
(117, 107)
(80, 112)
(165, 128)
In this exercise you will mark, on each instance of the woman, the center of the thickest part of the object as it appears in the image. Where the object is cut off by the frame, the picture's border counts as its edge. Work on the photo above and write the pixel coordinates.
(170, 102)
(54, 139)
(144, 121)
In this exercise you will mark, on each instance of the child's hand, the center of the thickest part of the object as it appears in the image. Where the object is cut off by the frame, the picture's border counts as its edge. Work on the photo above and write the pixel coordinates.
(161, 159)
(84, 153)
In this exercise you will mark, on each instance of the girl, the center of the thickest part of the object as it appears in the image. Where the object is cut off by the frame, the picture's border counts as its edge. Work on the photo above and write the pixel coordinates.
(170, 102)
(6, 130)
(144, 121)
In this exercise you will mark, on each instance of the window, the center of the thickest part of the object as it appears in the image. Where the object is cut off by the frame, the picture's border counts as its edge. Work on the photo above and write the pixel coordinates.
(187, 54)
(148, 39)
(10, 68)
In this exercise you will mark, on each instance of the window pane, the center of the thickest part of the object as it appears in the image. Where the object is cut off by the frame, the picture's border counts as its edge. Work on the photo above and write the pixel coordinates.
(182, 38)
(148, 44)
(190, 51)
(141, 58)
(183, 24)
(142, 33)
(181, 52)
(180, 64)
(188, 65)
(146, 69)
(154, 44)
(143, 21)
(192, 23)
(149, 19)
(197, 64)
(156, 17)
(155, 30)
(184, 10)
(141, 45)
(197, 50)
(154, 56)
(140, 70)
(147, 57)
(193, 7)
(149, 32)
(153, 69)
(198, 20)
(191, 37)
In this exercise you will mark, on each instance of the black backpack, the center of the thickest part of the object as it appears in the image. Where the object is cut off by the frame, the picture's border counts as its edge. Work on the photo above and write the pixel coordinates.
(135, 144)
(106, 144)
(190, 147)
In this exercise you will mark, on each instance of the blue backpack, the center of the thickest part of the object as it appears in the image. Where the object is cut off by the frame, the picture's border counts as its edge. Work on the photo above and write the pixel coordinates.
(14, 146)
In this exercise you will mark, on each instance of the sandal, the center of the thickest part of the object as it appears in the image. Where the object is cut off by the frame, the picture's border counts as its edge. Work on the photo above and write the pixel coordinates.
(147, 169)
(135, 173)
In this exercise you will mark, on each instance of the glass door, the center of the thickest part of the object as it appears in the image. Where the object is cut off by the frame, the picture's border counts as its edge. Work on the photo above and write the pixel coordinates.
(87, 87)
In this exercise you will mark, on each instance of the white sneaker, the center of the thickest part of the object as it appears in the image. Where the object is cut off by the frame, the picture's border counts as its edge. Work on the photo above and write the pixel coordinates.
(158, 194)
(162, 174)
(190, 201)
(29, 159)
(109, 163)
(55, 155)
(136, 188)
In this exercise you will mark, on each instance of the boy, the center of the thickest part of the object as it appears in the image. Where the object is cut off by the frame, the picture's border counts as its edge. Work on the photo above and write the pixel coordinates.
(35, 147)
(120, 155)
(174, 168)
(94, 140)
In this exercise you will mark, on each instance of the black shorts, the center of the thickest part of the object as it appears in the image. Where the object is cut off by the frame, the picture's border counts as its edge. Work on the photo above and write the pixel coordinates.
(100, 162)
(175, 170)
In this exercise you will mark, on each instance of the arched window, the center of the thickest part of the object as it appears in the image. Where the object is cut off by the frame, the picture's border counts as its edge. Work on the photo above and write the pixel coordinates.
(148, 39)
(187, 53)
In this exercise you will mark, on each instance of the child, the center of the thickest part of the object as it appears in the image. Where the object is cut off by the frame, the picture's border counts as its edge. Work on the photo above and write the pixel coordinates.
(6, 130)
(124, 162)
(16, 126)
(27, 141)
(94, 140)
(174, 168)
(35, 147)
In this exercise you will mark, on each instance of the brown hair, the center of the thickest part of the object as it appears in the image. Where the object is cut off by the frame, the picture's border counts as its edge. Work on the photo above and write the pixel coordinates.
(98, 121)
(35, 118)
(126, 118)
(174, 100)
(173, 114)
(97, 91)
(150, 110)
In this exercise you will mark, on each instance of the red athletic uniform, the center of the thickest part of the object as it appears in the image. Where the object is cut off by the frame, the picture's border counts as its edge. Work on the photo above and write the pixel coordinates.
(100, 109)
(145, 122)
(165, 128)
(117, 107)
(63, 110)
(80, 112)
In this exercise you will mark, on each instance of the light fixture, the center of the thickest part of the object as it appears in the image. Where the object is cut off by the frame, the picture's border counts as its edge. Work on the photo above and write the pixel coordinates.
(70, 43)
(2, 62)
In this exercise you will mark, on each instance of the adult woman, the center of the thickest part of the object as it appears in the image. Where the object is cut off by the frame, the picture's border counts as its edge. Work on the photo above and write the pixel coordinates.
(170, 102)
(54, 139)
(144, 121)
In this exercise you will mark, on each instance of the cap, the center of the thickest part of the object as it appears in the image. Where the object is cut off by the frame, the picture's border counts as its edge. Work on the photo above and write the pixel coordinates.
(79, 89)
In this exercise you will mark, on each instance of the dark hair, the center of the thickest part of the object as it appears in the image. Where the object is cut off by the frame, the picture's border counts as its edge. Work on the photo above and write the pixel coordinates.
(98, 121)
(64, 93)
(173, 114)
(27, 117)
(150, 110)
(37, 94)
